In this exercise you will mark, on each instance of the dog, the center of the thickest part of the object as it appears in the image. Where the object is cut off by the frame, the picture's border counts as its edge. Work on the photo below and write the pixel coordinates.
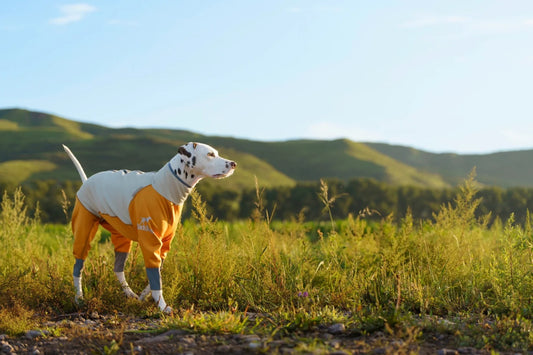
(141, 207)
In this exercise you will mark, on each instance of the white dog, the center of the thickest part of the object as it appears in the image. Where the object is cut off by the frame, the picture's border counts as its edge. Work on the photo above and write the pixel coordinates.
(141, 207)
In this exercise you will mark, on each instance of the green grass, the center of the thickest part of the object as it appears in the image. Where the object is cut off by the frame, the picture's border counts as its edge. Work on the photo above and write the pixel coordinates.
(16, 171)
(495, 169)
(401, 278)
(307, 160)
(6, 125)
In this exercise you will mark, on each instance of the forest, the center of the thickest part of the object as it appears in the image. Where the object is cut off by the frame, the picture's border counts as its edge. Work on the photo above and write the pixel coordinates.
(305, 200)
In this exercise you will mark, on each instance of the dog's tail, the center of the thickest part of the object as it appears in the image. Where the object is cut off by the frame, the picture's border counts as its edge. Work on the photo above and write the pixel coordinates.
(76, 164)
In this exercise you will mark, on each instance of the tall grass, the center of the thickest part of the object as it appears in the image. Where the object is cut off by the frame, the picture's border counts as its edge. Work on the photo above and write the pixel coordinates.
(450, 265)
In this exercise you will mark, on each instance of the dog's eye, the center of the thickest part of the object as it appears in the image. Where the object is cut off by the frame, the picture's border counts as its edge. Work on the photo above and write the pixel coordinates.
(211, 154)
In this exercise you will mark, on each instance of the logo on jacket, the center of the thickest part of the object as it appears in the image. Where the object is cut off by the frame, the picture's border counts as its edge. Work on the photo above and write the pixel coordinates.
(144, 225)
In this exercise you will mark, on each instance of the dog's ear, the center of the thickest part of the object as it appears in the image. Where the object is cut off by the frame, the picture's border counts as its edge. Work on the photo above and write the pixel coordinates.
(183, 151)
(194, 145)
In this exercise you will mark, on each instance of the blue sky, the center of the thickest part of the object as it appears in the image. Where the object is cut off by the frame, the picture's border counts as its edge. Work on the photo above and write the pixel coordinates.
(443, 76)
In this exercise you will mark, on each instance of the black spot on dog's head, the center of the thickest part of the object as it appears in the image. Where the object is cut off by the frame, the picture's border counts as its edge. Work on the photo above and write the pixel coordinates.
(193, 161)
(184, 151)
(179, 171)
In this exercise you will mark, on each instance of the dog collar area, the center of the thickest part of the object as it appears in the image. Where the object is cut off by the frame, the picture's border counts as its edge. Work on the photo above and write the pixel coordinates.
(177, 176)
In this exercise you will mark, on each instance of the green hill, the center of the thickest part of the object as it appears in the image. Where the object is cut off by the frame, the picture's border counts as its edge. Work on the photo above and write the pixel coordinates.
(30, 149)
(504, 169)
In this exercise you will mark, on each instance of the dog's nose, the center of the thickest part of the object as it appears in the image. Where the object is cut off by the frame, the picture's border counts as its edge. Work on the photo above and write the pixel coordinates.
(233, 164)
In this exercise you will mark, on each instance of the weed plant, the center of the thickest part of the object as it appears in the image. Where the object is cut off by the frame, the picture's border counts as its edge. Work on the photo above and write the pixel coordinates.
(369, 275)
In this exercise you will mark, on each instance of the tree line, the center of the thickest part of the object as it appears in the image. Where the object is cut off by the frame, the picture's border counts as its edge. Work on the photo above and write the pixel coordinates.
(312, 201)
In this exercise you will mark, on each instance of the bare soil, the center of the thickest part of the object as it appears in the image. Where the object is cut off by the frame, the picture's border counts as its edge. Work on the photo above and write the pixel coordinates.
(114, 334)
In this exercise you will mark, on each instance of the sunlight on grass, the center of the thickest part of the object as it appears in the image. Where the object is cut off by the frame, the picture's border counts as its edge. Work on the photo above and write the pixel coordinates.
(294, 275)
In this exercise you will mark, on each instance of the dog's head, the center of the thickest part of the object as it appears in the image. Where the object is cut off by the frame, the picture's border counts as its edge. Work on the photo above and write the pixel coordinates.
(196, 160)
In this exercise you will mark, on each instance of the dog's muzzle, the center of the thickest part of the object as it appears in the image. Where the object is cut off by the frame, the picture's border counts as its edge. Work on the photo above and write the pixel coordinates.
(230, 165)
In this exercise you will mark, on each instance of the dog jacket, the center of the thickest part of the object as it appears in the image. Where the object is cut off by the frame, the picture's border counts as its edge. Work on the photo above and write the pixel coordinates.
(133, 206)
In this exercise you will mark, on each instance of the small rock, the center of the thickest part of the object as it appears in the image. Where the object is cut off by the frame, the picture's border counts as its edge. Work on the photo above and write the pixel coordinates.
(224, 349)
(6, 347)
(326, 336)
(175, 332)
(254, 345)
(188, 341)
(335, 343)
(69, 324)
(276, 343)
(247, 338)
(447, 352)
(337, 328)
(3, 336)
(32, 334)
(286, 350)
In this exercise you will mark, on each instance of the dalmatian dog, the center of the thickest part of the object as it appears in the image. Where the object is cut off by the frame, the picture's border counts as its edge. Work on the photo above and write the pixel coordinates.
(141, 207)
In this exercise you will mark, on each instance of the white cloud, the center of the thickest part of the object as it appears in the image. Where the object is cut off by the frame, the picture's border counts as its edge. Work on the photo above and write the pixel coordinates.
(72, 13)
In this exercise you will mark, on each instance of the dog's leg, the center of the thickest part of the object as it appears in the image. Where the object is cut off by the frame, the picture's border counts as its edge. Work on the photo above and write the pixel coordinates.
(120, 260)
(154, 277)
(84, 228)
(145, 292)
(78, 267)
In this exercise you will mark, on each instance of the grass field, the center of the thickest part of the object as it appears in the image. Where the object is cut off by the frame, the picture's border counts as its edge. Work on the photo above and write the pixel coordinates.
(371, 276)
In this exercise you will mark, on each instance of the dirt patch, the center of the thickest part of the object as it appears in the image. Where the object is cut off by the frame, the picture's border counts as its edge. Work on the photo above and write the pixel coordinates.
(116, 334)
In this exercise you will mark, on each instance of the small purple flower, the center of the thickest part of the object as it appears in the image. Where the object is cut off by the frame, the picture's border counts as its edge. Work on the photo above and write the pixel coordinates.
(303, 294)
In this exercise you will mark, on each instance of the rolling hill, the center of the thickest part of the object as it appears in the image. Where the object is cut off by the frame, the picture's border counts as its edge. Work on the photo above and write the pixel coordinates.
(30, 149)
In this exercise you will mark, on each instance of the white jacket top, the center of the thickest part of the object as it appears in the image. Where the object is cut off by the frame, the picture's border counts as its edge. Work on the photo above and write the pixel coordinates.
(111, 192)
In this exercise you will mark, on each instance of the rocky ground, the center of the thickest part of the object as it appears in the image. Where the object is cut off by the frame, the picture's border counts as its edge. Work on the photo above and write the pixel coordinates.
(97, 334)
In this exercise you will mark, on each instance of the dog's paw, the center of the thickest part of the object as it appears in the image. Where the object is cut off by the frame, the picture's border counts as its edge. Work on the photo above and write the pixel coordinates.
(167, 310)
(129, 293)
(79, 300)
(145, 293)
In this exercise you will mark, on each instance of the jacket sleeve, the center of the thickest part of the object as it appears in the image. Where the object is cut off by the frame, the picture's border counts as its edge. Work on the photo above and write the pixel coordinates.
(150, 244)
(154, 219)
(152, 225)
(166, 245)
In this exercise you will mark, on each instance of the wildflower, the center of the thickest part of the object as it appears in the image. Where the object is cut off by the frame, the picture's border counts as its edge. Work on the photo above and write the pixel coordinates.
(303, 294)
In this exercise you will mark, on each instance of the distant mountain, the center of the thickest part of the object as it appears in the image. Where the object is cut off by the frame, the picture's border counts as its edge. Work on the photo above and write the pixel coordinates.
(30, 149)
